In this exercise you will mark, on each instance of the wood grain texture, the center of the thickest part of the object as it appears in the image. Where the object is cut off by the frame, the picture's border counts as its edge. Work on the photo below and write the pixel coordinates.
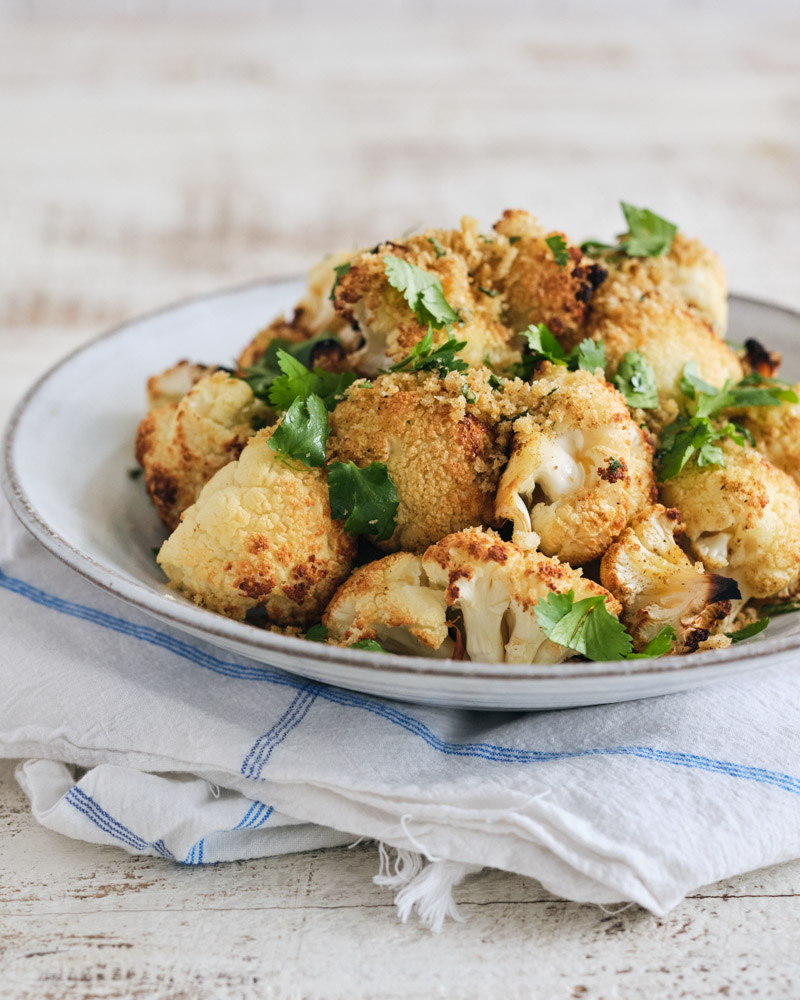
(150, 157)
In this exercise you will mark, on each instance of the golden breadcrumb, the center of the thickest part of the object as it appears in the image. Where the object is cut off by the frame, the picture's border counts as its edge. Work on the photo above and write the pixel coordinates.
(260, 536)
(443, 453)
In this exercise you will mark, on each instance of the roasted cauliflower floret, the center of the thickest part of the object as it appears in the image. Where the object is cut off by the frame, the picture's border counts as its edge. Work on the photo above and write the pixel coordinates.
(390, 600)
(260, 536)
(173, 384)
(443, 454)
(631, 314)
(776, 430)
(742, 519)
(314, 313)
(580, 468)
(689, 272)
(472, 584)
(470, 270)
(657, 584)
(181, 445)
(536, 289)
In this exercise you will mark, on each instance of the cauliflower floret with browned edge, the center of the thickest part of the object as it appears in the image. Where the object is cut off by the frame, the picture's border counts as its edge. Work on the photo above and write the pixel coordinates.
(471, 594)
(539, 289)
(389, 600)
(580, 468)
(443, 453)
(470, 270)
(314, 313)
(181, 445)
(171, 386)
(776, 431)
(260, 537)
(657, 584)
(630, 314)
(742, 519)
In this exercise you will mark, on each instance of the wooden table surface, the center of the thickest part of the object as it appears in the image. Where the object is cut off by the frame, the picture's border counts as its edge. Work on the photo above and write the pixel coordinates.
(146, 157)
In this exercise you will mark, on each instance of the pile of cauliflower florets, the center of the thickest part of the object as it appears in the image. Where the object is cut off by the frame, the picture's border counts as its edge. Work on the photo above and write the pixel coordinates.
(502, 447)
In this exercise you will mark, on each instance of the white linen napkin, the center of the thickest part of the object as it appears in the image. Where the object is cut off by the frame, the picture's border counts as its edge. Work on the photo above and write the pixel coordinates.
(200, 756)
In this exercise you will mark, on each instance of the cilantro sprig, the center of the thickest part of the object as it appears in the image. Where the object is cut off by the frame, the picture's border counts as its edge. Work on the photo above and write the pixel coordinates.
(558, 247)
(748, 631)
(369, 644)
(365, 499)
(699, 432)
(636, 380)
(303, 432)
(648, 235)
(422, 291)
(423, 356)
(317, 633)
(299, 382)
(340, 272)
(263, 373)
(588, 627)
(588, 355)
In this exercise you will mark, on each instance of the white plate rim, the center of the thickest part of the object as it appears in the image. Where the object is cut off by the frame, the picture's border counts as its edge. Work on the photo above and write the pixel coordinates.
(203, 622)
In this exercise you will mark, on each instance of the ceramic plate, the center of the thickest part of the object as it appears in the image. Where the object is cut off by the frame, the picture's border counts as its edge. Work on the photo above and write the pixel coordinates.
(69, 446)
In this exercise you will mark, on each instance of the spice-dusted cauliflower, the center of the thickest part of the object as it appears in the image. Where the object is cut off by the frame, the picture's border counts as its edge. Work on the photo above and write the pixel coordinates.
(580, 467)
(181, 445)
(657, 584)
(260, 536)
(470, 270)
(742, 519)
(776, 431)
(482, 589)
(631, 314)
(537, 288)
(173, 384)
(443, 453)
(390, 600)
(314, 313)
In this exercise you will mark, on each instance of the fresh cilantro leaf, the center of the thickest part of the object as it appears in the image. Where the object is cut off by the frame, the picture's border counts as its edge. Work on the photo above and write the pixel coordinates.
(421, 290)
(589, 355)
(340, 271)
(263, 373)
(514, 239)
(370, 644)
(491, 292)
(748, 631)
(495, 383)
(586, 626)
(425, 357)
(558, 246)
(614, 465)
(773, 610)
(303, 432)
(154, 551)
(365, 499)
(135, 473)
(543, 345)
(695, 434)
(317, 633)
(636, 380)
(659, 645)
(298, 382)
(648, 235)
(438, 249)
(467, 393)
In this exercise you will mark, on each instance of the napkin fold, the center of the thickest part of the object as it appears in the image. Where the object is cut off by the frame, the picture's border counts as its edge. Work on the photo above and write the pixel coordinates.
(199, 756)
